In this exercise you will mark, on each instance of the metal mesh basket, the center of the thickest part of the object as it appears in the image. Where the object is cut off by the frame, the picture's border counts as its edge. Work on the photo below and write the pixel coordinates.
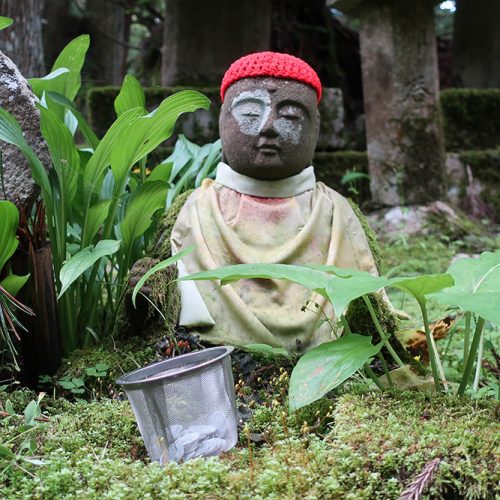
(185, 406)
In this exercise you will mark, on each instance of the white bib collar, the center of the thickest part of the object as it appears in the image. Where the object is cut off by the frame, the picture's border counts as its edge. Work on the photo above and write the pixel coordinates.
(282, 188)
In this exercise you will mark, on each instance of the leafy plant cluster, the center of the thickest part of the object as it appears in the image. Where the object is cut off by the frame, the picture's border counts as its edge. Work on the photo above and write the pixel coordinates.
(470, 286)
(88, 383)
(100, 198)
(21, 446)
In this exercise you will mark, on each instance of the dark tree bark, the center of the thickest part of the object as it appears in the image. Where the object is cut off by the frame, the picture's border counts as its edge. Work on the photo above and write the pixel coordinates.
(22, 41)
(304, 28)
(477, 43)
(108, 48)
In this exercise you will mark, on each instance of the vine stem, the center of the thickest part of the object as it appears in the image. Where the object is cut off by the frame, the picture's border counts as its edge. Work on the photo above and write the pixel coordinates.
(470, 358)
(439, 378)
(467, 336)
(381, 332)
(480, 352)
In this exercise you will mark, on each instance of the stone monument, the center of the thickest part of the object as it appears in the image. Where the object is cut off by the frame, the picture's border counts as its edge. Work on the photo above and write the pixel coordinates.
(264, 206)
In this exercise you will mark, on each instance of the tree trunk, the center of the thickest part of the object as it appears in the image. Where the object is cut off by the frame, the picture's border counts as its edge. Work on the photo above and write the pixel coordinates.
(476, 43)
(57, 23)
(22, 41)
(108, 48)
(41, 344)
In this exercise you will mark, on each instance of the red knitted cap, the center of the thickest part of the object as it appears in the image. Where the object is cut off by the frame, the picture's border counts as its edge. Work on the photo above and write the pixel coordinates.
(272, 64)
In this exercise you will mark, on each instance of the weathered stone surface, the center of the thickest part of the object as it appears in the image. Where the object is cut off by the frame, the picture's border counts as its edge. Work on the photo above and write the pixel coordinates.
(331, 109)
(433, 218)
(225, 30)
(16, 97)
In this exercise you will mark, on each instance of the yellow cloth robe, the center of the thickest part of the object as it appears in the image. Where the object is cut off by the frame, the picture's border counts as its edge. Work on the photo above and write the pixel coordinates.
(293, 221)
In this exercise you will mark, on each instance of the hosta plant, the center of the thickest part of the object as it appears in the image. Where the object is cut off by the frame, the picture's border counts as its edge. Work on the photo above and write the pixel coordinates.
(100, 214)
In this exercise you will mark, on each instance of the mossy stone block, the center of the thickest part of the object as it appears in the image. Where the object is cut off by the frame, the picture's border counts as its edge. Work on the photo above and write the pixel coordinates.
(471, 118)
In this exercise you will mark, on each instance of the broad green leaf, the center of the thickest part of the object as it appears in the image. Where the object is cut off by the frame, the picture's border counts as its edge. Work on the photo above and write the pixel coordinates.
(5, 22)
(131, 96)
(65, 157)
(64, 78)
(349, 177)
(159, 267)
(326, 366)
(83, 260)
(421, 286)
(101, 159)
(149, 198)
(6, 452)
(145, 133)
(95, 218)
(310, 278)
(11, 132)
(267, 350)
(9, 220)
(84, 126)
(53, 79)
(161, 172)
(13, 283)
(181, 156)
(350, 284)
(477, 286)
(72, 57)
(31, 412)
(211, 162)
(187, 179)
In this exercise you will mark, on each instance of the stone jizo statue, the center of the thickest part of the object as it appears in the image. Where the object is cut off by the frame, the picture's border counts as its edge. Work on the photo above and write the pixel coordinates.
(264, 206)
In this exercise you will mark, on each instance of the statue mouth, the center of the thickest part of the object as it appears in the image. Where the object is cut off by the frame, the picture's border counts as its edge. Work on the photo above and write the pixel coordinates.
(268, 148)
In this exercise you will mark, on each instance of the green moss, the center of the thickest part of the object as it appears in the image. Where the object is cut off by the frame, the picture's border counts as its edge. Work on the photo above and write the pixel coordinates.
(471, 118)
(122, 355)
(378, 443)
(370, 235)
(162, 248)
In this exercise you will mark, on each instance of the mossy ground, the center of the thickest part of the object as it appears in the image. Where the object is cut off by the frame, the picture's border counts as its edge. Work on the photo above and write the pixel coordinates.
(368, 446)
(353, 444)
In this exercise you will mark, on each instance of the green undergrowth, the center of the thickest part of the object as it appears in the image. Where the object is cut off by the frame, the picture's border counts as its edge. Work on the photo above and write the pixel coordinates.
(367, 445)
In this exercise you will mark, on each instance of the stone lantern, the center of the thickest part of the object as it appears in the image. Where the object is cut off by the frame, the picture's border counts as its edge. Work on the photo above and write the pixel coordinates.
(401, 97)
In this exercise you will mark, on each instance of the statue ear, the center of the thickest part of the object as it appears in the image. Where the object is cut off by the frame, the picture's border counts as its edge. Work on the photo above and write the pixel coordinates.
(318, 122)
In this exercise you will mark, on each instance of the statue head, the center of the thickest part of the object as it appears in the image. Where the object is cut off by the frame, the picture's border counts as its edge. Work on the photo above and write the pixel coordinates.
(269, 120)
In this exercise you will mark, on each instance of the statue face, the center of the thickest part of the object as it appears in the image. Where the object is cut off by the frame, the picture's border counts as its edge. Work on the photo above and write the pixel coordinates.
(269, 127)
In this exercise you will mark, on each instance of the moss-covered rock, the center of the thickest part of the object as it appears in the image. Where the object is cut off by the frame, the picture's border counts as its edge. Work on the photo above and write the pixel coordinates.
(471, 118)
(120, 355)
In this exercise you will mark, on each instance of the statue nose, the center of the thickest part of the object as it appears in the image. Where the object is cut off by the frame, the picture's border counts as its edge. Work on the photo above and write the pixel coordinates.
(269, 128)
